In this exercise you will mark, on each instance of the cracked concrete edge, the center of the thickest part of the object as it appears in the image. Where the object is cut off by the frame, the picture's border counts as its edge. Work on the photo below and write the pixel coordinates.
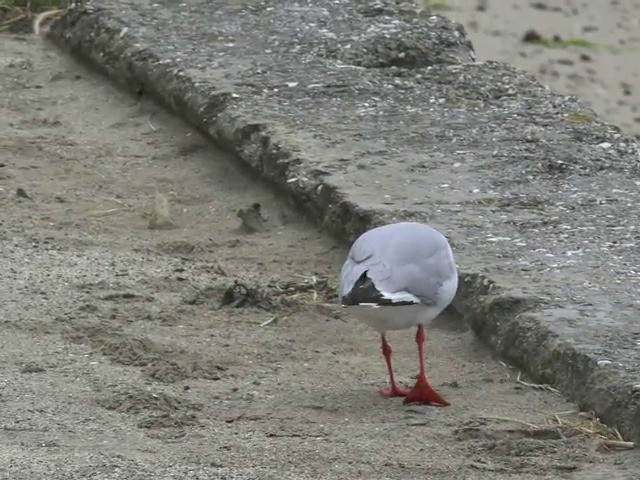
(512, 326)
(523, 335)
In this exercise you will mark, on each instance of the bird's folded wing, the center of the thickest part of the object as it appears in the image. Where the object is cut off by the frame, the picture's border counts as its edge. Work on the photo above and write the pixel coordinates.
(419, 278)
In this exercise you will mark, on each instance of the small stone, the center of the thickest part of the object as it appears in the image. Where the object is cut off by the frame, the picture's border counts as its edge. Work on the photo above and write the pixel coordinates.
(161, 215)
(482, 5)
(539, 6)
(531, 36)
(20, 192)
(32, 368)
(252, 220)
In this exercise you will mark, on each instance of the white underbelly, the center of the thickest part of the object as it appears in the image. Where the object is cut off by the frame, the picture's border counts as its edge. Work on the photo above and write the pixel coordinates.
(394, 318)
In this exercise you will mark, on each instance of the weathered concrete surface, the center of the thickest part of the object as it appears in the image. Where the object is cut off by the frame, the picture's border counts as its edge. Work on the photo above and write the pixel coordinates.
(536, 194)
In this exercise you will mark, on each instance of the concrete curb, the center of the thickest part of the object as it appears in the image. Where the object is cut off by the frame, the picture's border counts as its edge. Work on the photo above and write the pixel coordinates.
(508, 324)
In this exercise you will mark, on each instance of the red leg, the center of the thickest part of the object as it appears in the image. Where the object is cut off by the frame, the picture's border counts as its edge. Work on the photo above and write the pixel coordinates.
(395, 390)
(422, 391)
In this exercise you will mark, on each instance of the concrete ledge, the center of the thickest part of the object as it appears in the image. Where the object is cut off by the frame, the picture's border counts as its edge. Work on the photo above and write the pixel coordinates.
(359, 127)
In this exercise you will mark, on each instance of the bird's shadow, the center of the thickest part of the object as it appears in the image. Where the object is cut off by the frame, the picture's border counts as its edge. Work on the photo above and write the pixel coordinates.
(450, 321)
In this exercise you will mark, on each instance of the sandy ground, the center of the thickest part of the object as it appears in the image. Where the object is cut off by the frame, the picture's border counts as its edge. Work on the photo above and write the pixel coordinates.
(117, 359)
(605, 73)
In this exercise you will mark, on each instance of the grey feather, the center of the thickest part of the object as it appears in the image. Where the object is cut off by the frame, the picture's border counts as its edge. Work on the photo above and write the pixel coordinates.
(401, 257)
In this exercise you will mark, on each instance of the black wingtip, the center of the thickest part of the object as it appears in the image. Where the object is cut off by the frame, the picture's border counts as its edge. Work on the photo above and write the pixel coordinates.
(364, 291)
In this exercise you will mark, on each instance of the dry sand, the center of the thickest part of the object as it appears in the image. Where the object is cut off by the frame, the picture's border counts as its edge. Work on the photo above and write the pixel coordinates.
(605, 73)
(116, 360)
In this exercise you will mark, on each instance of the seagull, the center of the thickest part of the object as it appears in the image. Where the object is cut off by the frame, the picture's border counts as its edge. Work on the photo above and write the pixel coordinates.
(399, 276)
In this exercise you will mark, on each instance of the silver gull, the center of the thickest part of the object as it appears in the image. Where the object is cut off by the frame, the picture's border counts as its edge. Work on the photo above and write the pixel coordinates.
(395, 277)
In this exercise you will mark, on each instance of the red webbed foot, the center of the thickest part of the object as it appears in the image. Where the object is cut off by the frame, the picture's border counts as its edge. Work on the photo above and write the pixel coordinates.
(422, 393)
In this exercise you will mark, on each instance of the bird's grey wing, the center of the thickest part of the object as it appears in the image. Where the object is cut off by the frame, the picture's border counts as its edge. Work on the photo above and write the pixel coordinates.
(419, 275)
(409, 267)
(363, 257)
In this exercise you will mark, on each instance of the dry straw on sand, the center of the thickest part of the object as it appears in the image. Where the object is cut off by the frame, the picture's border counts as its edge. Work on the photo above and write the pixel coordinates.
(37, 13)
(161, 215)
